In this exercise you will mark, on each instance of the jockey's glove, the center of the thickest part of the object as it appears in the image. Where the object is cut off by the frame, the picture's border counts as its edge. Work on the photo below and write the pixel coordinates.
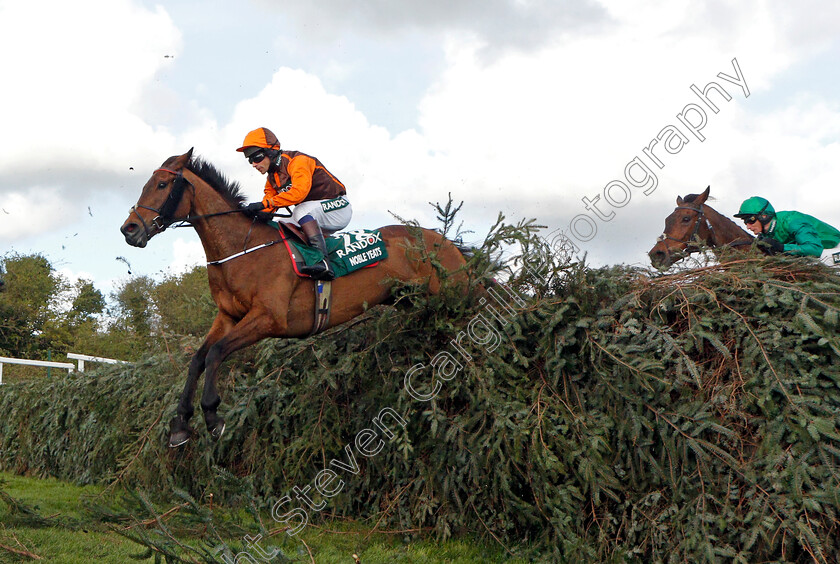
(252, 209)
(770, 245)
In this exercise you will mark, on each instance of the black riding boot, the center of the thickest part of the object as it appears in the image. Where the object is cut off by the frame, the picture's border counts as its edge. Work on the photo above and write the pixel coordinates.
(321, 270)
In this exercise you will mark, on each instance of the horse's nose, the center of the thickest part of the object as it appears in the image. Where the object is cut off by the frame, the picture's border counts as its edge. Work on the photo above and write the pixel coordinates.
(128, 228)
(658, 258)
(134, 236)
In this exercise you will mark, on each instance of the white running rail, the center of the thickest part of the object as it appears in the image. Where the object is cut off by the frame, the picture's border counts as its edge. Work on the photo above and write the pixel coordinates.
(81, 358)
(68, 366)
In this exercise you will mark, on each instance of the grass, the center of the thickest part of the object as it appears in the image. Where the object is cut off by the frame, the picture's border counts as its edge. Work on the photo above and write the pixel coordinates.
(68, 540)
(64, 533)
(65, 547)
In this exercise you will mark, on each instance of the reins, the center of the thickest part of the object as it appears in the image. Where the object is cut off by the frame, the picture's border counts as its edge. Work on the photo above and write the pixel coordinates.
(689, 242)
(163, 220)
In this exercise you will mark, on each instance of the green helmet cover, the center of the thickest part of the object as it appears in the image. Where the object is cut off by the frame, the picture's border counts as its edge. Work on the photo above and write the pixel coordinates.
(756, 206)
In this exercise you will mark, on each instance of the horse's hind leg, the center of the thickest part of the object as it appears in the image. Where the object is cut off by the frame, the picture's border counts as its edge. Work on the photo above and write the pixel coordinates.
(255, 326)
(179, 430)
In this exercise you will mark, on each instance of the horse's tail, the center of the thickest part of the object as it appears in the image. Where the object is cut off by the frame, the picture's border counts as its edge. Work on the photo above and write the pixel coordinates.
(467, 250)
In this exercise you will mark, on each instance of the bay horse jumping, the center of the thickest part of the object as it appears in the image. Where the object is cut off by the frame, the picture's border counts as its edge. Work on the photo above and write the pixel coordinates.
(258, 293)
(690, 226)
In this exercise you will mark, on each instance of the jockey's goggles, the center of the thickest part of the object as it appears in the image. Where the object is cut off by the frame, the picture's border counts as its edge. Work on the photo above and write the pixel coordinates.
(256, 157)
(750, 219)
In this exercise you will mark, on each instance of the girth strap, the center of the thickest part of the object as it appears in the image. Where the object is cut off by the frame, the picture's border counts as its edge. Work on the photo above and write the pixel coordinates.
(323, 301)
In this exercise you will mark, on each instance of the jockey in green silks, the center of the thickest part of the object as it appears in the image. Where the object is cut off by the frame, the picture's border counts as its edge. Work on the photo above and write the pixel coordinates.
(789, 232)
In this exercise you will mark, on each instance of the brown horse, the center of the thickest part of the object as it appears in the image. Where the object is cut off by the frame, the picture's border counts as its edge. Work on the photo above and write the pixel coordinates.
(258, 293)
(692, 225)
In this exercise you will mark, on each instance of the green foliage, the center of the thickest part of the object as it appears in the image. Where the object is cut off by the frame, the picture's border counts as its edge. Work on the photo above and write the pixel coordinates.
(133, 311)
(184, 303)
(149, 316)
(28, 305)
(34, 313)
(619, 416)
(43, 312)
(88, 303)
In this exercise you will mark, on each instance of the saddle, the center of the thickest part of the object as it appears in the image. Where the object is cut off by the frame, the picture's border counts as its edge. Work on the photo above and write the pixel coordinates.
(346, 252)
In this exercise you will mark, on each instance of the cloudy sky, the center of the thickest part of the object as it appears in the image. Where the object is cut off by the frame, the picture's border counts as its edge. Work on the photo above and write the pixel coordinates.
(532, 108)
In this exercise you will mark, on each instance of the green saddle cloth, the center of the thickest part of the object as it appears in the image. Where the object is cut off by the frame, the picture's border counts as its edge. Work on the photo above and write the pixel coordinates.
(347, 251)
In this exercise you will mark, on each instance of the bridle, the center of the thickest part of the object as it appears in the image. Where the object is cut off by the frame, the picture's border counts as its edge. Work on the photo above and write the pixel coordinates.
(165, 213)
(697, 223)
(689, 242)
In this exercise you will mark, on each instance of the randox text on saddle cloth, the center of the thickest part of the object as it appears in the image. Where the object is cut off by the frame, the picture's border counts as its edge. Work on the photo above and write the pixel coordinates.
(639, 173)
(360, 240)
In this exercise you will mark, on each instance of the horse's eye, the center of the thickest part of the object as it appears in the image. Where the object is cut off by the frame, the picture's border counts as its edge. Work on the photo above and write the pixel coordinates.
(161, 185)
(685, 219)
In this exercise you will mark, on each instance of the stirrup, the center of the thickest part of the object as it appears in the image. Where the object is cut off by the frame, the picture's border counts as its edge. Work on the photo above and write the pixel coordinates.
(320, 270)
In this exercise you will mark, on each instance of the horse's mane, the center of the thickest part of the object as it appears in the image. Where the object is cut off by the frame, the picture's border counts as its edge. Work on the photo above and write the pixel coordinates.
(690, 198)
(229, 190)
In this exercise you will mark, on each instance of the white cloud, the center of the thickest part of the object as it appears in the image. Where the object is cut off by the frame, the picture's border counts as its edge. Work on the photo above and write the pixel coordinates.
(186, 256)
(72, 73)
(559, 124)
(530, 130)
(532, 133)
(499, 24)
(16, 217)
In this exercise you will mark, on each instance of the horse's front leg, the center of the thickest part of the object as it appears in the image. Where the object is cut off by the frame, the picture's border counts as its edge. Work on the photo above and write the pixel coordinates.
(255, 326)
(179, 430)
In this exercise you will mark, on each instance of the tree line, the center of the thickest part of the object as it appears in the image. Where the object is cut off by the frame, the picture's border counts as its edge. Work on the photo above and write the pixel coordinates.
(41, 310)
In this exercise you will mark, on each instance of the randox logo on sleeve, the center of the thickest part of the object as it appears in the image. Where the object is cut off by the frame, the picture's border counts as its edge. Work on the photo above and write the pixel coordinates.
(334, 204)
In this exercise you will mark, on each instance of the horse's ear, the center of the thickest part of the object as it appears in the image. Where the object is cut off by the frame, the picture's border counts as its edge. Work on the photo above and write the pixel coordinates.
(183, 160)
(679, 200)
(701, 199)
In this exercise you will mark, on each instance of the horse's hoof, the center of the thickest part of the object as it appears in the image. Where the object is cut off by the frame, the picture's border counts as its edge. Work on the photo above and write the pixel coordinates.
(178, 438)
(218, 429)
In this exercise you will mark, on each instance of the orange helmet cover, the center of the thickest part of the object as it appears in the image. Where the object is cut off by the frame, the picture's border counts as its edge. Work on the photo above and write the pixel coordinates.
(260, 137)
